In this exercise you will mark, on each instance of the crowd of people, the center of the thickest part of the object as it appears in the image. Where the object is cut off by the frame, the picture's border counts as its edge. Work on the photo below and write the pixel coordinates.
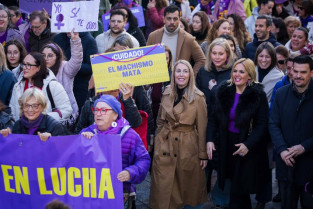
(238, 100)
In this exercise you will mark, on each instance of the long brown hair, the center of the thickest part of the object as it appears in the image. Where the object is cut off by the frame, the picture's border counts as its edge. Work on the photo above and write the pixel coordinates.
(160, 4)
(213, 31)
(59, 56)
(240, 31)
(204, 23)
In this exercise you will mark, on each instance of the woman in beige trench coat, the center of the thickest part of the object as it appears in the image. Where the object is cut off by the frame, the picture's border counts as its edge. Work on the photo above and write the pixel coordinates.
(177, 178)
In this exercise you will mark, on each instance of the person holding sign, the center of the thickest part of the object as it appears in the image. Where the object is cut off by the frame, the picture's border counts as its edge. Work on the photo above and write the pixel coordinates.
(65, 71)
(117, 24)
(34, 120)
(178, 177)
(6, 32)
(136, 160)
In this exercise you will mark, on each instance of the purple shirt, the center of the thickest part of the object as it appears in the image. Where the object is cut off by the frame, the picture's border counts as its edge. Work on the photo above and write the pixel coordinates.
(232, 116)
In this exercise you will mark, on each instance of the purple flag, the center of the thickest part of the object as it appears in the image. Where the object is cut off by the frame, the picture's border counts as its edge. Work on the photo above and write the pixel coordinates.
(80, 172)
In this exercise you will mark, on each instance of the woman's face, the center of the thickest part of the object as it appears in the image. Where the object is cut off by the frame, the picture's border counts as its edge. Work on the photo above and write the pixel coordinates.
(291, 27)
(240, 75)
(13, 55)
(32, 109)
(104, 115)
(196, 23)
(119, 47)
(218, 56)
(264, 59)
(281, 61)
(301, 12)
(49, 56)
(4, 20)
(231, 23)
(223, 29)
(30, 68)
(231, 44)
(182, 75)
(274, 29)
(298, 40)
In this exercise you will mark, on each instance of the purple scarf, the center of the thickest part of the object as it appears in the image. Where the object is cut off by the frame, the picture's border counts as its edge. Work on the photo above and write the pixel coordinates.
(111, 130)
(19, 22)
(206, 8)
(31, 126)
(3, 38)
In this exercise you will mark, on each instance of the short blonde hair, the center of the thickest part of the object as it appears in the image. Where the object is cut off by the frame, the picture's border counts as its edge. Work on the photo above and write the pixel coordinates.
(230, 55)
(292, 19)
(190, 88)
(37, 94)
(250, 68)
(3, 59)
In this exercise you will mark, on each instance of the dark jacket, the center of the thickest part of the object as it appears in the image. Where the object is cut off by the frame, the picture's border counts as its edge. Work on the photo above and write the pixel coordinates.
(291, 124)
(6, 119)
(137, 33)
(48, 124)
(250, 172)
(82, 78)
(7, 81)
(203, 79)
(253, 45)
(132, 115)
(37, 42)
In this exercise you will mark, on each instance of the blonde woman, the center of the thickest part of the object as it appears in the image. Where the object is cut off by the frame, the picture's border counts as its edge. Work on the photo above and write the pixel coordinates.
(178, 178)
(238, 124)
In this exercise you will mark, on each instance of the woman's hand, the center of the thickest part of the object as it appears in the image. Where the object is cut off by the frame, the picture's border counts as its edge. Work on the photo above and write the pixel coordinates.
(126, 89)
(5, 132)
(44, 136)
(212, 83)
(151, 4)
(123, 176)
(210, 147)
(203, 164)
(88, 135)
(74, 35)
(242, 151)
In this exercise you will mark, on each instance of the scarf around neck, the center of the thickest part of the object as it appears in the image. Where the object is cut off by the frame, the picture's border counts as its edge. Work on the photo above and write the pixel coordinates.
(31, 126)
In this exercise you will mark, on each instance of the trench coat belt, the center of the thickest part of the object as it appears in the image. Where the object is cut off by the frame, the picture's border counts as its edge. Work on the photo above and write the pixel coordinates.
(181, 128)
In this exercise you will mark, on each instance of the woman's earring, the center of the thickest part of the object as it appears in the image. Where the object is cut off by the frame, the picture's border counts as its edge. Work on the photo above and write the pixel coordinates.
(114, 124)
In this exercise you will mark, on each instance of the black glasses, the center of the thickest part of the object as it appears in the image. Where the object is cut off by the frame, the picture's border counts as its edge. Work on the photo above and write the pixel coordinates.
(27, 65)
(281, 62)
(301, 8)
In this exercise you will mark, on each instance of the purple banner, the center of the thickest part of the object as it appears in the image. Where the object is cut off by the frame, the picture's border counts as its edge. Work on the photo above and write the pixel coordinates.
(80, 172)
(28, 6)
(137, 12)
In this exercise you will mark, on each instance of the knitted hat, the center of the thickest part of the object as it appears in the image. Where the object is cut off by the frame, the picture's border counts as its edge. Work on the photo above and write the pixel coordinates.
(280, 1)
(112, 102)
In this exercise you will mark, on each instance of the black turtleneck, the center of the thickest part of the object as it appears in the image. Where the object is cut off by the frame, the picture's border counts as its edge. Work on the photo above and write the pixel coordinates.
(263, 73)
(180, 93)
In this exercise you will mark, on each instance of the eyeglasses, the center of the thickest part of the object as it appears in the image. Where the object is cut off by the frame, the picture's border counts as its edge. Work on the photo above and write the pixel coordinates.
(301, 8)
(48, 56)
(3, 17)
(281, 62)
(36, 27)
(27, 66)
(33, 106)
(13, 54)
(102, 111)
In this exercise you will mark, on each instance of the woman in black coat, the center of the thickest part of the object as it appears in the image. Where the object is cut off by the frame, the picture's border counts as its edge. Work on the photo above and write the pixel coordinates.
(238, 124)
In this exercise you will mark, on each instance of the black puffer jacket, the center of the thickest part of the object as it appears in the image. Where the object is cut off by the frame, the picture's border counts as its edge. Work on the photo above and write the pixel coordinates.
(132, 115)
(48, 124)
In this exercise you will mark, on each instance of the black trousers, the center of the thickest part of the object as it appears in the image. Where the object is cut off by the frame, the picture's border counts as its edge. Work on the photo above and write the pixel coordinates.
(241, 201)
(290, 195)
